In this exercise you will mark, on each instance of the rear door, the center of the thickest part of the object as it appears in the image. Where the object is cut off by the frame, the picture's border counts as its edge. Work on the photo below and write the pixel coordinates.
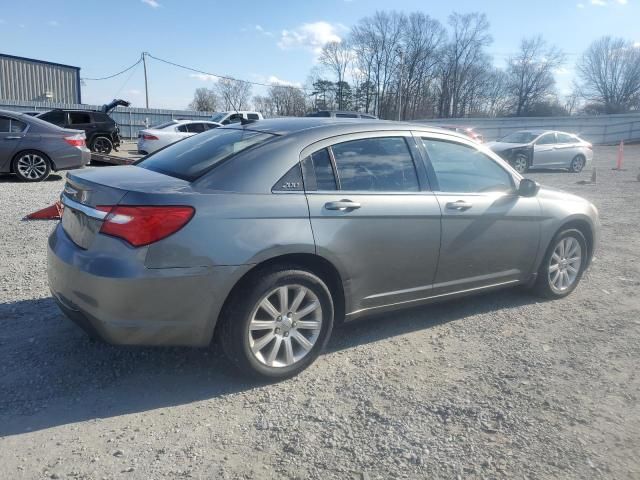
(373, 216)
(12, 131)
(567, 147)
(490, 234)
(83, 121)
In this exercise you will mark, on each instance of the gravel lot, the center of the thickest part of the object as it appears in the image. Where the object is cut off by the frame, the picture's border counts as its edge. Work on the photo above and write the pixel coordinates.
(494, 386)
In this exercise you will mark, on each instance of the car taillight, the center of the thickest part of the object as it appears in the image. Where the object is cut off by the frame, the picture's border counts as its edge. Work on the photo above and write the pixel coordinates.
(589, 146)
(140, 225)
(149, 137)
(76, 140)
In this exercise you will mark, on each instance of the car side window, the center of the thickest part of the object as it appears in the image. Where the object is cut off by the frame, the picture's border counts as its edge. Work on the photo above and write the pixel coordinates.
(57, 117)
(463, 169)
(318, 171)
(182, 128)
(235, 118)
(547, 139)
(17, 126)
(5, 124)
(195, 127)
(382, 164)
(76, 118)
(346, 115)
(565, 138)
(253, 116)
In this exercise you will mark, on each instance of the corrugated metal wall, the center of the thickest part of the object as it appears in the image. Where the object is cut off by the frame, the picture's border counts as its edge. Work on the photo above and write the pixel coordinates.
(26, 80)
(130, 120)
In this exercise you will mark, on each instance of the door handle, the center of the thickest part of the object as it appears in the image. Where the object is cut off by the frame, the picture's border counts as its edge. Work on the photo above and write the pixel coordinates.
(459, 205)
(342, 205)
(13, 137)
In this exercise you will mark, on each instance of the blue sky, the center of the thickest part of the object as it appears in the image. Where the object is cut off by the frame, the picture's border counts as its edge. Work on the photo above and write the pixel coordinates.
(264, 40)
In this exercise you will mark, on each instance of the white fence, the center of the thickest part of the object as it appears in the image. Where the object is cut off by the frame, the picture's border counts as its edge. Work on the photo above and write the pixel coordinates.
(597, 129)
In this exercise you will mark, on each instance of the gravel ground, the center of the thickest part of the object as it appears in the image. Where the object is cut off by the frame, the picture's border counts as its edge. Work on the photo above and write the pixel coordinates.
(494, 386)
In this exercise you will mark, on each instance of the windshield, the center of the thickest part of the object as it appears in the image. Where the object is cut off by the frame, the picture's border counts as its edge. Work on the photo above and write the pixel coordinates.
(218, 117)
(519, 137)
(194, 156)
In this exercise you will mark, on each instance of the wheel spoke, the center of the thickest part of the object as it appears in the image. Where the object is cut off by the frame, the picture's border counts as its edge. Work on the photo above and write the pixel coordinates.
(283, 295)
(553, 268)
(302, 340)
(262, 325)
(307, 310)
(262, 342)
(288, 351)
(273, 354)
(297, 301)
(572, 269)
(268, 307)
(308, 325)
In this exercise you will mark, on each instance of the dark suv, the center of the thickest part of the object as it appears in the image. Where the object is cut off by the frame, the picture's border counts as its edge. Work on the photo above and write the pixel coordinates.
(101, 130)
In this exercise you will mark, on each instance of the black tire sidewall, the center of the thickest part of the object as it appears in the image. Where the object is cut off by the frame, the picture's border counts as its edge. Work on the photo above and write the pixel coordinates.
(101, 137)
(542, 284)
(34, 152)
(235, 331)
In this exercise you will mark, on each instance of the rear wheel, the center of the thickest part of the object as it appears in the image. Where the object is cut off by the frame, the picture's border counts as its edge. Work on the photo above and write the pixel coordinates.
(31, 166)
(563, 265)
(102, 145)
(577, 164)
(277, 323)
(520, 163)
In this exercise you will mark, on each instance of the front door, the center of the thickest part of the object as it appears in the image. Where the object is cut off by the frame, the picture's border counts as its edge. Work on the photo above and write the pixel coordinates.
(373, 217)
(544, 151)
(11, 133)
(490, 234)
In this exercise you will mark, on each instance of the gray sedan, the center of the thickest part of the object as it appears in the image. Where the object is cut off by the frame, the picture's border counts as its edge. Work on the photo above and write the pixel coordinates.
(265, 235)
(32, 148)
(527, 149)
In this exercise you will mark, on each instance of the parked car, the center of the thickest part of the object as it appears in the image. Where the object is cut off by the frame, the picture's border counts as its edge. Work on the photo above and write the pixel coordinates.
(468, 131)
(31, 148)
(267, 234)
(160, 136)
(527, 149)
(341, 114)
(102, 132)
(236, 116)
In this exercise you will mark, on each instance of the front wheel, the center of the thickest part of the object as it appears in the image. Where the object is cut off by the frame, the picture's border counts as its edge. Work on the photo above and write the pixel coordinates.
(31, 166)
(102, 145)
(563, 265)
(520, 163)
(277, 323)
(577, 164)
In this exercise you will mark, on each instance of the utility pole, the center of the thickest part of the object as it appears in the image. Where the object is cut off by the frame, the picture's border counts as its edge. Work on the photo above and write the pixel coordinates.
(146, 88)
(401, 53)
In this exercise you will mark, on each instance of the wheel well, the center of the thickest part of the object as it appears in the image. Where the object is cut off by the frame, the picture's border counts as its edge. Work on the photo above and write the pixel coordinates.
(586, 230)
(306, 261)
(13, 160)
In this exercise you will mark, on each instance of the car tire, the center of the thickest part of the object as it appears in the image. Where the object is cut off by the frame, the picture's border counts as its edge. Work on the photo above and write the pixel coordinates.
(577, 164)
(102, 144)
(557, 264)
(286, 347)
(31, 166)
(520, 163)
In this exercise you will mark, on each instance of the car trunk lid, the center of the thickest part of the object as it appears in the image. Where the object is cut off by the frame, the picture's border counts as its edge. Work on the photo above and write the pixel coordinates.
(88, 190)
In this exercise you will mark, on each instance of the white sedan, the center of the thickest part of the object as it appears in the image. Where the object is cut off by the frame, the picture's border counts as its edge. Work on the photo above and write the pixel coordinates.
(160, 136)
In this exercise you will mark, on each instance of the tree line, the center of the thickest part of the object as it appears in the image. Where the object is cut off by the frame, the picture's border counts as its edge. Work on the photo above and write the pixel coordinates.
(411, 66)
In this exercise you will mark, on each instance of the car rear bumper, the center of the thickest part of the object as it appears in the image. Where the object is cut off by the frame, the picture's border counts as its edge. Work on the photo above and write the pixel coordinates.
(72, 158)
(126, 303)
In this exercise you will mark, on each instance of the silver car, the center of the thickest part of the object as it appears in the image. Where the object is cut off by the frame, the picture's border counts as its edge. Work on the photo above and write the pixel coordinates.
(265, 235)
(32, 148)
(527, 149)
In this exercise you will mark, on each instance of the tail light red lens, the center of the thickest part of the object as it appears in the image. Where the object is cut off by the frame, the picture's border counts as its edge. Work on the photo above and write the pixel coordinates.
(76, 140)
(149, 137)
(144, 225)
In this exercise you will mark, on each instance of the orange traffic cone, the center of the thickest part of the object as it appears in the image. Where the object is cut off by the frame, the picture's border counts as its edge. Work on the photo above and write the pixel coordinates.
(52, 212)
(620, 158)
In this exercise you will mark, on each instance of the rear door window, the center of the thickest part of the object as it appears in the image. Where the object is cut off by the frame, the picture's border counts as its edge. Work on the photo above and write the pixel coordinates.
(547, 139)
(318, 171)
(565, 138)
(77, 118)
(382, 164)
(195, 127)
(253, 116)
(194, 156)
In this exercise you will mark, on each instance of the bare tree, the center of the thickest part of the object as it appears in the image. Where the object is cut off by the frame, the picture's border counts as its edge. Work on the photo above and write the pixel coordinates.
(610, 74)
(204, 100)
(531, 73)
(287, 101)
(337, 56)
(235, 94)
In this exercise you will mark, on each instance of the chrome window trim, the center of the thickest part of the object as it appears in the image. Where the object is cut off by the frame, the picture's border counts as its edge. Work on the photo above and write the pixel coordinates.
(87, 210)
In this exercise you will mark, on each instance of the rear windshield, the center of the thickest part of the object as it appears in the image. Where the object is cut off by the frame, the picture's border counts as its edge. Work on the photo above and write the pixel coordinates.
(194, 156)
(164, 125)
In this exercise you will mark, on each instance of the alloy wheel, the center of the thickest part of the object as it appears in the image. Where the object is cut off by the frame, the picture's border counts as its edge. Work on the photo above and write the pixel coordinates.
(564, 264)
(577, 164)
(285, 325)
(520, 164)
(32, 166)
(102, 145)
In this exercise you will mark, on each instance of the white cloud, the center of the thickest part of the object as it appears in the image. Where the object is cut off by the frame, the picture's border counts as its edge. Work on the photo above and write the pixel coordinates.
(151, 3)
(260, 29)
(599, 3)
(278, 81)
(204, 77)
(636, 44)
(53, 23)
(311, 36)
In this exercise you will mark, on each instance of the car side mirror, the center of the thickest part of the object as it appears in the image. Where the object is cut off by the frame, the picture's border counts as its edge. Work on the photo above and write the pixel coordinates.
(528, 188)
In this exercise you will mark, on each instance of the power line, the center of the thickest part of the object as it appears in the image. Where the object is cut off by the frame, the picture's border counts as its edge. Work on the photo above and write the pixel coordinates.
(224, 77)
(115, 74)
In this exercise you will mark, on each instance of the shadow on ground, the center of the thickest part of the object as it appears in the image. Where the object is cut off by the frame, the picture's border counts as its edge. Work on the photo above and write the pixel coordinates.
(51, 374)
(8, 178)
